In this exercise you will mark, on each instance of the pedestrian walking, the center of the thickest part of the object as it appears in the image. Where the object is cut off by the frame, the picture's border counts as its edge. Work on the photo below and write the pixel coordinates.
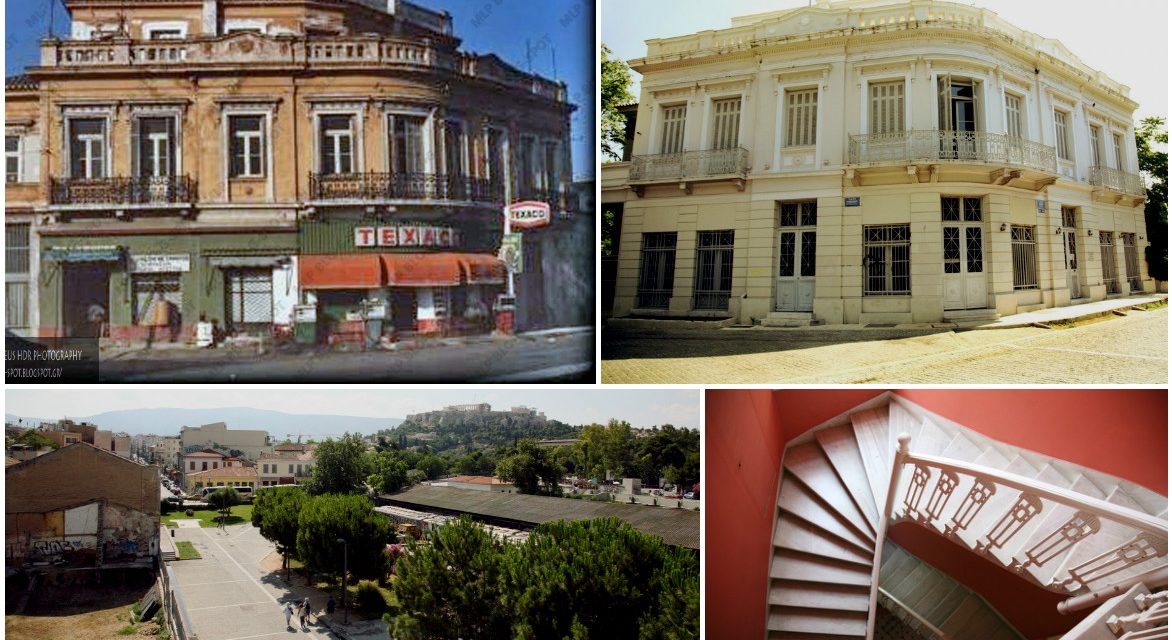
(305, 611)
(331, 604)
(289, 614)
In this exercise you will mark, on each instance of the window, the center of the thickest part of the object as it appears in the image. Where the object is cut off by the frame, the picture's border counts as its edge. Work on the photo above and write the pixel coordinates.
(958, 103)
(886, 260)
(726, 123)
(1117, 141)
(246, 135)
(145, 288)
(16, 304)
(1025, 257)
(87, 148)
(887, 107)
(797, 214)
(1013, 115)
(407, 144)
(1107, 251)
(250, 296)
(656, 270)
(192, 468)
(12, 158)
(1069, 217)
(1131, 261)
(714, 253)
(165, 34)
(453, 148)
(336, 144)
(205, 466)
(16, 286)
(801, 124)
(1062, 143)
(1096, 146)
(951, 209)
(16, 248)
(673, 129)
(155, 147)
(552, 174)
(962, 210)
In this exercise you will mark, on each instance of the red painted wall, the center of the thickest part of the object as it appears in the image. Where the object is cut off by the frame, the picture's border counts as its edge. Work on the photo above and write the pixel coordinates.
(746, 430)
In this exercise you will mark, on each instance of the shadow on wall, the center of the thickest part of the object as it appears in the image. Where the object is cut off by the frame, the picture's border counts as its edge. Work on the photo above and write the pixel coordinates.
(556, 288)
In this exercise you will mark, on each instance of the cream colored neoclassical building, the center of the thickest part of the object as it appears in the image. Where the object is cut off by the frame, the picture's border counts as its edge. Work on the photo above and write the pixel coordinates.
(874, 161)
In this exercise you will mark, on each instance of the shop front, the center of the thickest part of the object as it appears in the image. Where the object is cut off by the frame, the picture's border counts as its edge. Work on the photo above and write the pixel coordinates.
(160, 286)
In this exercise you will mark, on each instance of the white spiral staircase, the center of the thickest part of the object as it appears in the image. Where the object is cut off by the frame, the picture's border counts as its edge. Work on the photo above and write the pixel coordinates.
(1068, 529)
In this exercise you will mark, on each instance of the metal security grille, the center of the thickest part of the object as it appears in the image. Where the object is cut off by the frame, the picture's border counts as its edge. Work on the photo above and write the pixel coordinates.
(144, 286)
(886, 260)
(726, 123)
(1013, 115)
(887, 107)
(15, 304)
(16, 238)
(1060, 135)
(973, 250)
(809, 247)
(794, 214)
(1110, 273)
(802, 117)
(656, 270)
(714, 253)
(250, 296)
(785, 253)
(953, 209)
(951, 250)
(673, 129)
(1068, 217)
(1025, 260)
(1130, 260)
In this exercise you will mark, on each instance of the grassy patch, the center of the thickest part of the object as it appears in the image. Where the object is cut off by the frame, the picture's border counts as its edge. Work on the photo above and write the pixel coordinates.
(128, 630)
(186, 550)
(240, 514)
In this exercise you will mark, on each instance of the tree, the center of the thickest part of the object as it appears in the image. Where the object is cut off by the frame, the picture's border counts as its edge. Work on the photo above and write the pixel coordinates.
(616, 83)
(367, 533)
(452, 587)
(276, 513)
(35, 440)
(432, 465)
(222, 500)
(600, 578)
(415, 476)
(529, 467)
(1154, 163)
(341, 466)
(389, 472)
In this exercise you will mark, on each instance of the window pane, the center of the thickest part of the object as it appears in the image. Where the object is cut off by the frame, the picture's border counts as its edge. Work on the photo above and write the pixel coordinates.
(950, 209)
(972, 209)
(789, 214)
(951, 250)
(809, 251)
(785, 263)
(16, 246)
(11, 143)
(974, 250)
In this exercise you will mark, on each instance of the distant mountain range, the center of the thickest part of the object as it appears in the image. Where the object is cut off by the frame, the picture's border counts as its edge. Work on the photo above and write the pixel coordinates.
(277, 423)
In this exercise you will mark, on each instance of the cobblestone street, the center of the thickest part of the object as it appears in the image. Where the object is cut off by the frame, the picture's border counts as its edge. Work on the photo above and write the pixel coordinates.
(1119, 350)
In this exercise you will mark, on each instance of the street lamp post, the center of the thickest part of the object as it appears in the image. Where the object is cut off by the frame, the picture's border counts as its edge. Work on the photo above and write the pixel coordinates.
(345, 610)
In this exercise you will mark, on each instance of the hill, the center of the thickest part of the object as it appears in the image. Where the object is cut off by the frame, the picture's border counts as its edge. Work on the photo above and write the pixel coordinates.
(277, 423)
(451, 430)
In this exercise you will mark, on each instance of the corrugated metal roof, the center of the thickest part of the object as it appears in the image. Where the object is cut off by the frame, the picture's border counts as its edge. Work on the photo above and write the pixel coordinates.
(680, 527)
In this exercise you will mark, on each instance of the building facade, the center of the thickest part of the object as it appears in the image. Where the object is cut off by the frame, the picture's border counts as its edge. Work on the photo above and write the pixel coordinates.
(250, 443)
(287, 464)
(870, 161)
(244, 163)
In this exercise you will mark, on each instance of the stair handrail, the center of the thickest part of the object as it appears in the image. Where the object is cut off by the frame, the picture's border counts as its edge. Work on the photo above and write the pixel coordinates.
(1073, 499)
(901, 453)
(923, 622)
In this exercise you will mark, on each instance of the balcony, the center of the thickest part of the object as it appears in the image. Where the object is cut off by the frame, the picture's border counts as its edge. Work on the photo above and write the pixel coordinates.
(375, 187)
(963, 156)
(140, 192)
(556, 198)
(688, 167)
(1120, 184)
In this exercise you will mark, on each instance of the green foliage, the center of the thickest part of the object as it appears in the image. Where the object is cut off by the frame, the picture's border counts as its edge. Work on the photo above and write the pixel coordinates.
(35, 440)
(531, 469)
(616, 90)
(164, 507)
(276, 512)
(610, 231)
(452, 587)
(223, 499)
(1154, 163)
(432, 465)
(415, 476)
(388, 471)
(326, 518)
(469, 431)
(128, 630)
(369, 600)
(477, 463)
(341, 466)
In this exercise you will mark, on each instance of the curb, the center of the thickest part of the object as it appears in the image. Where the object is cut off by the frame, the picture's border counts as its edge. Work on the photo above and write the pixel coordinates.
(1049, 324)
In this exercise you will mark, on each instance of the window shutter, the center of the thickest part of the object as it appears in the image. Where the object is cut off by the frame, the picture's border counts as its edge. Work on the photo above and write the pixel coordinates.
(726, 123)
(137, 153)
(887, 107)
(31, 160)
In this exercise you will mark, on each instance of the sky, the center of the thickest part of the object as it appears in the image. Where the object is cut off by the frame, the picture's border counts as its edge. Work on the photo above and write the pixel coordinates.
(643, 408)
(561, 29)
(1126, 39)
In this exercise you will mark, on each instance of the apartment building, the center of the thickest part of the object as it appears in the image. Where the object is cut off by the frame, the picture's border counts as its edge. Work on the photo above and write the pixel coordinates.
(247, 443)
(287, 464)
(246, 162)
(871, 161)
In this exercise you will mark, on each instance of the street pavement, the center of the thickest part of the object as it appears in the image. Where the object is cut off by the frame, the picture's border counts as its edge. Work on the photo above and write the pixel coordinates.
(1132, 349)
(541, 357)
(236, 591)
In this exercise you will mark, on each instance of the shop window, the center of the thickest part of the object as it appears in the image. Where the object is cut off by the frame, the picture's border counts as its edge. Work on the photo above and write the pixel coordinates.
(336, 144)
(246, 137)
(801, 118)
(145, 286)
(714, 255)
(87, 148)
(250, 296)
(886, 260)
(726, 123)
(656, 270)
(1025, 257)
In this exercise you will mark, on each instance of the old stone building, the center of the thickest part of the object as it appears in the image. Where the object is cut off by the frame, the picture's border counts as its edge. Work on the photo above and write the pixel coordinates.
(236, 160)
(80, 506)
(874, 161)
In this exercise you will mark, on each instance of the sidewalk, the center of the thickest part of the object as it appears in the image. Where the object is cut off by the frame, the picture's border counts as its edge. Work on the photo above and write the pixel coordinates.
(1073, 313)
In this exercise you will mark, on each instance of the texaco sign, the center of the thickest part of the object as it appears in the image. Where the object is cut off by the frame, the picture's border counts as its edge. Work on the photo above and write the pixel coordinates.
(528, 214)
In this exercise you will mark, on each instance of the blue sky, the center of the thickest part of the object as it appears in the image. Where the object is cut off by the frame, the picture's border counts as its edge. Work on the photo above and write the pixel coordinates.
(564, 27)
(641, 407)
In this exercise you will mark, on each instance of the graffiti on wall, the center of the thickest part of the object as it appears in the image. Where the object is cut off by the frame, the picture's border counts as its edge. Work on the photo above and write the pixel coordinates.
(71, 537)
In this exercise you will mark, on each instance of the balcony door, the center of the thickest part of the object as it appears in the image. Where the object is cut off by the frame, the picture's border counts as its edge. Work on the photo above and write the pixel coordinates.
(958, 118)
(965, 283)
(797, 243)
(154, 162)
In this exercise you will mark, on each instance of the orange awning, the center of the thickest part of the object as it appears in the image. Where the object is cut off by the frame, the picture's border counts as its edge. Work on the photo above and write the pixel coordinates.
(483, 268)
(422, 269)
(340, 271)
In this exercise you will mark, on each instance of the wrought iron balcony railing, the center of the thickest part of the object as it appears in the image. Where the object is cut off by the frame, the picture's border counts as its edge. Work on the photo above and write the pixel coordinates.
(148, 190)
(687, 165)
(933, 145)
(556, 198)
(402, 186)
(1117, 180)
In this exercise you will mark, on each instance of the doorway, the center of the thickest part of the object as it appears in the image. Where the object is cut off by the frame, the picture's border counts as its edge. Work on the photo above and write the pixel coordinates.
(1070, 249)
(84, 288)
(797, 244)
(965, 284)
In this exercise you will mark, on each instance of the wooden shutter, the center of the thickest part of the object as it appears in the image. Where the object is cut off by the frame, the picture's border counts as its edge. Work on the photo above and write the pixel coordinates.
(30, 163)
(673, 129)
(887, 107)
(802, 112)
(726, 123)
(1013, 115)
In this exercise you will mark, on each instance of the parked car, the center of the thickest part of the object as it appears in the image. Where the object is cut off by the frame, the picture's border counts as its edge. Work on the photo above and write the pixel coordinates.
(692, 495)
(175, 500)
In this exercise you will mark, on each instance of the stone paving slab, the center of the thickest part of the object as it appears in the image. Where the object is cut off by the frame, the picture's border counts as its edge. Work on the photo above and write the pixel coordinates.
(1072, 313)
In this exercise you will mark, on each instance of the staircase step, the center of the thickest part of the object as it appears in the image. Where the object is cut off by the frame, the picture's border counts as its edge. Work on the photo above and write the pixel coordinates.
(1053, 518)
(796, 500)
(1110, 536)
(814, 595)
(957, 623)
(938, 612)
(788, 635)
(872, 435)
(792, 565)
(932, 439)
(902, 589)
(849, 623)
(807, 463)
(841, 448)
(802, 536)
